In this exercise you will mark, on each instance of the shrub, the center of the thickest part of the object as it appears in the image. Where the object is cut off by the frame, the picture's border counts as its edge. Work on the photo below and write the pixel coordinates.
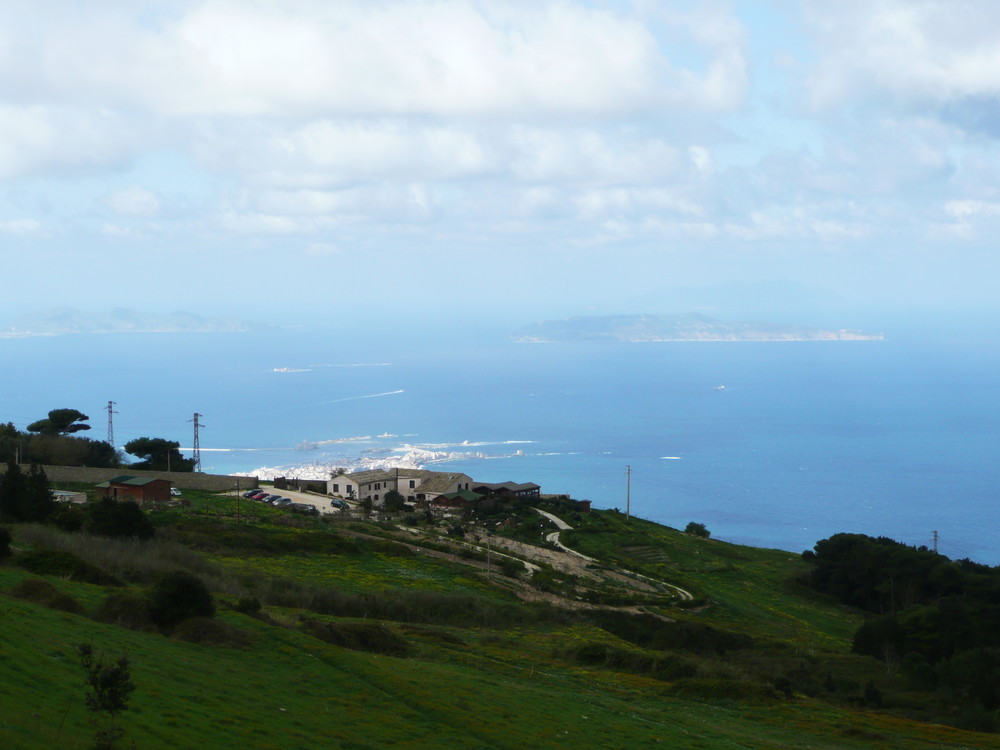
(69, 518)
(359, 636)
(715, 689)
(248, 605)
(509, 567)
(126, 610)
(50, 562)
(178, 596)
(211, 632)
(5, 538)
(44, 593)
(109, 517)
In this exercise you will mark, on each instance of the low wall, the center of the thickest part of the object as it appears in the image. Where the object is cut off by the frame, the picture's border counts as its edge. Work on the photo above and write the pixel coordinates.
(182, 479)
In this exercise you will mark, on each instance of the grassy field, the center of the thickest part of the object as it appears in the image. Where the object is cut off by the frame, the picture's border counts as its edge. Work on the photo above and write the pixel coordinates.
(522, 678)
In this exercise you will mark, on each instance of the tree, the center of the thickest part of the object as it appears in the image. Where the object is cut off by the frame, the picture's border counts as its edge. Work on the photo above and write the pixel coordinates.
(11, 489)
(158, 454)
(61, 422)
(697, 529)
(37, 502)
(110, 688)
(394, 502)
(25, 497)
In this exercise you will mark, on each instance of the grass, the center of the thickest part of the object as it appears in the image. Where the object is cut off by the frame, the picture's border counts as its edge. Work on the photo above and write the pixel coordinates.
(480, 670)
(292, 690)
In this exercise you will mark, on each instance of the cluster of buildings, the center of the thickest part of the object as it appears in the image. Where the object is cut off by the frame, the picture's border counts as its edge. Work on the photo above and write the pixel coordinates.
(425, 488)
(418, 487)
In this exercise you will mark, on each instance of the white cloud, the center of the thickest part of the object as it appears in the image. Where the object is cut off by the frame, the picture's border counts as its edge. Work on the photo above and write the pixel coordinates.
(932, 51)
(22, 227)
(134, 201)
(42, 137)
(413, 57)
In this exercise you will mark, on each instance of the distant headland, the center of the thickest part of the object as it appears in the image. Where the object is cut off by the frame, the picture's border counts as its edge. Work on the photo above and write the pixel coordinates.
(68, 320)
(683, 327)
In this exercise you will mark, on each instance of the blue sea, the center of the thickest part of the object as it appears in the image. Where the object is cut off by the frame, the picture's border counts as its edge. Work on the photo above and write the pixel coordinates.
(806, 439)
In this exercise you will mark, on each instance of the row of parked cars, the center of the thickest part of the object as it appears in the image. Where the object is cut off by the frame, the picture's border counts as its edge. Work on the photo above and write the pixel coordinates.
(278, 501)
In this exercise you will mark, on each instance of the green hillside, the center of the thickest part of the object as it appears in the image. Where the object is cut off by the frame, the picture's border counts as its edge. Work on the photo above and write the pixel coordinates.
(400, 635)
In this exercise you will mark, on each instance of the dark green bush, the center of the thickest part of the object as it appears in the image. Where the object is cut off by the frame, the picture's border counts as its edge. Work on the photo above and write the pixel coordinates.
(248, 605)
(5, 540)
(178, 596)
(359, 636)
(44, 593)
(126, 610)
(50, 562)
(211, 632)
(109, 517)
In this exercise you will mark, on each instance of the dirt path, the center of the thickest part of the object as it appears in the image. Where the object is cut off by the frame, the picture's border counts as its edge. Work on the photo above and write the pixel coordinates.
(561, 525)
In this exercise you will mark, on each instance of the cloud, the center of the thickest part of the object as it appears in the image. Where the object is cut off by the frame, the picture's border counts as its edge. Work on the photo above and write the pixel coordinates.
(45, 138)
(413, 57)
(134, 201)
(22, 227)
(922, 54)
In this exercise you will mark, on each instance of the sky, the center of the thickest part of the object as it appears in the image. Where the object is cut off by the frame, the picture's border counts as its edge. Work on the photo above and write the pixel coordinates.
(318, 158)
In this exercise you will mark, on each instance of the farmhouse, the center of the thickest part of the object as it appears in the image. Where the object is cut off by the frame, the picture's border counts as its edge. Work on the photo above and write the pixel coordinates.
(413, 484)
(137, 489)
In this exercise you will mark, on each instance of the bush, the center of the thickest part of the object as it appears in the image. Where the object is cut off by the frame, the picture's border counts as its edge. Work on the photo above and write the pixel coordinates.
(178, 596)
(248, 605)
(44, 593)
(210, 632)
(5, 538)
(359, 636)
(50, 562)
(110, 517)
(126, 610)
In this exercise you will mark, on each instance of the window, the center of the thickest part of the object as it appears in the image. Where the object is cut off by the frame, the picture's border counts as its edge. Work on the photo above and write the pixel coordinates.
(412, 484)
(336, 488)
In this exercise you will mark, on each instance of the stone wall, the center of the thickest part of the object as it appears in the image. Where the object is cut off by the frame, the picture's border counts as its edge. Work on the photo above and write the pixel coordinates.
(184, 480)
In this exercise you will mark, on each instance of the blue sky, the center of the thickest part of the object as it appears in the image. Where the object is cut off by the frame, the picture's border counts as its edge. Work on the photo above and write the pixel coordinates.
(508, 158)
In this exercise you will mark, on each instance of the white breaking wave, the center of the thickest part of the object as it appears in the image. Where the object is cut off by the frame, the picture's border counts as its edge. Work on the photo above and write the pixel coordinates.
(670, 458)
(403, 457)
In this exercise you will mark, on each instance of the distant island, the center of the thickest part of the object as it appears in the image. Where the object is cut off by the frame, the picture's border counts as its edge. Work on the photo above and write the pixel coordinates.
(120, 320)
(684, 327)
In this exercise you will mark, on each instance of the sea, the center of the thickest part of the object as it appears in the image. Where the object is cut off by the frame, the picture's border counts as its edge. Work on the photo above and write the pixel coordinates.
(771, 444)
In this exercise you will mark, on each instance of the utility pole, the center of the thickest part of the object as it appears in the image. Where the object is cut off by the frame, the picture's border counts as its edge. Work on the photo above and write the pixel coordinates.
(197, 443)
(935, 541)
(111, 426)
(628, 492)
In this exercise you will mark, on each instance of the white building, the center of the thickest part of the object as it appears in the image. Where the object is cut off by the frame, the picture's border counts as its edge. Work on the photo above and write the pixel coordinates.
(412, 484)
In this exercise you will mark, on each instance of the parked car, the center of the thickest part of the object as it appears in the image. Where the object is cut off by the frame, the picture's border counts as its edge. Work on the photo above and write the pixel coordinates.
(310, 510)
(260, 495)
(251, 493)
(281, 501)
(340, 504)
(175, 491)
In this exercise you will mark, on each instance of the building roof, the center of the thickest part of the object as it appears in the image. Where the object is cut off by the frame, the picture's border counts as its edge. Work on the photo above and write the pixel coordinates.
(130, 480)
(509, 486)
(430, 481)
(467, 495)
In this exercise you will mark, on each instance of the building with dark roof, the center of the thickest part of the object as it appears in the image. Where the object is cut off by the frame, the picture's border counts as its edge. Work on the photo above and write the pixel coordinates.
(137, 489)
(415, 485)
